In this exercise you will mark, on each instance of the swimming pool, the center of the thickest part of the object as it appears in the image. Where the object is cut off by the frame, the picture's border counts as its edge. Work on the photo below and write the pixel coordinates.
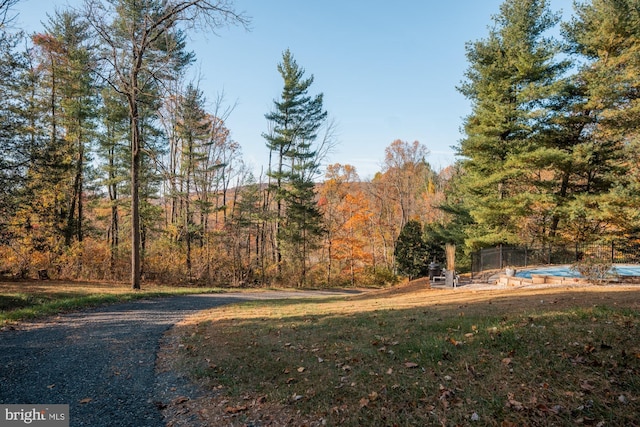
(566, 271)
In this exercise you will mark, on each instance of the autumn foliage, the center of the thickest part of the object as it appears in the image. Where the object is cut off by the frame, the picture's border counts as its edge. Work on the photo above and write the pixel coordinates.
(362, 220)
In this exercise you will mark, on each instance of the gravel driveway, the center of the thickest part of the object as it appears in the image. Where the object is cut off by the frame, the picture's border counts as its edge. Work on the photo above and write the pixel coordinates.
(102, 362)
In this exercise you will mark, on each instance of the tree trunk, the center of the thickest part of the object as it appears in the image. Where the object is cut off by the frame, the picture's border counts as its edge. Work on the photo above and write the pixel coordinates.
(76, 199)
(135, 202)
(278, 224)
(563, 194)
(114, 228)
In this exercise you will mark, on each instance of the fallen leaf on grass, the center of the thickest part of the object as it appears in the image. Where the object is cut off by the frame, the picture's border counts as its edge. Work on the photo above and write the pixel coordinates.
(514, 404)
(454, 341)
(86, 400)
(235, 409)
(410, 365)
(301, 369)
(427, 407)
(445, 394)
(545, 409)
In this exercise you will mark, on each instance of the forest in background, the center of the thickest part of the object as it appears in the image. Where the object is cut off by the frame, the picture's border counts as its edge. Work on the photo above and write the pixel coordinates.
(114, 167)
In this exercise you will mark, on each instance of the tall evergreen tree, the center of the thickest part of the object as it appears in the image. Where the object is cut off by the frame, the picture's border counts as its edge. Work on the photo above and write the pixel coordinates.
(112, 152)
(606, 36)
(15, 152)
(193, 128)
(295, 122)
(67, 41)
(56, 103)
(511, 76)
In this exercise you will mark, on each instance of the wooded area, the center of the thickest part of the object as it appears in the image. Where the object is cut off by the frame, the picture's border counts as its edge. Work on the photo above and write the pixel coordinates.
(113, 166)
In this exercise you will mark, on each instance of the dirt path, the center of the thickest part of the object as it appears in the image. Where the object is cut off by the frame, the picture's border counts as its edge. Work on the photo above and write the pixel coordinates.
(102, 362)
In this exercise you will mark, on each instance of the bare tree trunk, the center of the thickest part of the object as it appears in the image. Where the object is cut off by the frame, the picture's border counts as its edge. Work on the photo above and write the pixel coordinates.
(135, 202)
(76, 198)
(187, 224)
(277, 242)
(114, 227)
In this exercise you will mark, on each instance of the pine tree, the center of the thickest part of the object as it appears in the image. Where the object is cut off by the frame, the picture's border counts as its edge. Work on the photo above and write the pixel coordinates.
(411, 251)
(512, 74)
(606, 36)
(295, 120)
(57, 109)
(112, 154)
(15, 150)
(67, 43)
(193, 129)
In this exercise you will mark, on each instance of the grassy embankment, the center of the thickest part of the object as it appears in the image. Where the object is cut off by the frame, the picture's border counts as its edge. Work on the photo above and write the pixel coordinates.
(412, 356)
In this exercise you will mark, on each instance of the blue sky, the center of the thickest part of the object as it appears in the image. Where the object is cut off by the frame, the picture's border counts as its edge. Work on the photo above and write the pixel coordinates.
(388, 70)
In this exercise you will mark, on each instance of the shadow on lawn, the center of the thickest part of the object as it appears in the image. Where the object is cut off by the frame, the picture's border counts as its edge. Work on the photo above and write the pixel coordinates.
(521, 357)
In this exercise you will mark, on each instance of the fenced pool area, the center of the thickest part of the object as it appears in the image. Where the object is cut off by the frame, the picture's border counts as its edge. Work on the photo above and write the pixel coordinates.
(523, 257)
(629, 270)
(566, 275)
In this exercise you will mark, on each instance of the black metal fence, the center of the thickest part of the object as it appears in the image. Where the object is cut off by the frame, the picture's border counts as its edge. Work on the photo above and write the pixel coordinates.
(520, 256)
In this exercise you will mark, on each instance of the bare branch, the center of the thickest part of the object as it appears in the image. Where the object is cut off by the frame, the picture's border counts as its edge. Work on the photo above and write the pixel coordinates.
(5, 10)
(329, 140)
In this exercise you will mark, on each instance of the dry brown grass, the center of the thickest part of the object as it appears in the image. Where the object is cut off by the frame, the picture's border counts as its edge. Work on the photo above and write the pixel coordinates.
(410, 355)
(48, 287)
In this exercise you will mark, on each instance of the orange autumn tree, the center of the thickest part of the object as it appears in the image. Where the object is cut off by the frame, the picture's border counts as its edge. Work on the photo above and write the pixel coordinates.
(346, 211)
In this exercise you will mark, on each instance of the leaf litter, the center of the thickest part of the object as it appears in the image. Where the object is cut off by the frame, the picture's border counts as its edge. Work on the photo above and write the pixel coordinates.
(445, 380)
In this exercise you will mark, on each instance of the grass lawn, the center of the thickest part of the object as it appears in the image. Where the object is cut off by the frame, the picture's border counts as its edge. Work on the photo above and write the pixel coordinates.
(415, 356)
(25, 300)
